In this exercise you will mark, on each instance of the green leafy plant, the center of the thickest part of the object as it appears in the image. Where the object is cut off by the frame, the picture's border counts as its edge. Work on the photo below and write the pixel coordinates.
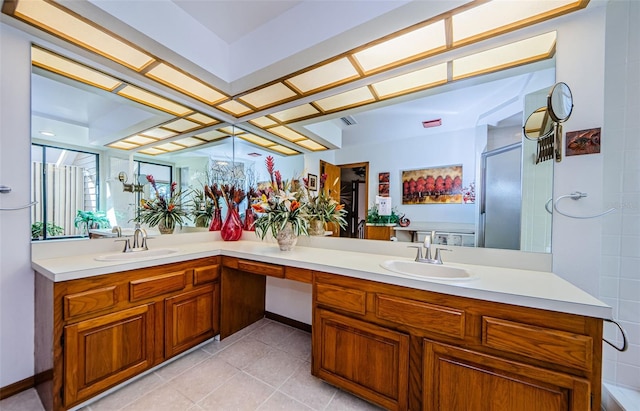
(37, 230)
(373, 216)
(322, 207)
(163, 209)
(91, 219)
(278, 205)
(202, 207)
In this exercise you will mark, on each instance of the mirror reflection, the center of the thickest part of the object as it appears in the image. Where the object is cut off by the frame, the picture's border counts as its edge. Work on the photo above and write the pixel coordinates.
(479, 116)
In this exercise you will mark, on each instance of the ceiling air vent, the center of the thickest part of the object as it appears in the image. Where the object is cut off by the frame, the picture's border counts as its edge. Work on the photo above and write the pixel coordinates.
(432, 123)
(349, 120)
(254, 154)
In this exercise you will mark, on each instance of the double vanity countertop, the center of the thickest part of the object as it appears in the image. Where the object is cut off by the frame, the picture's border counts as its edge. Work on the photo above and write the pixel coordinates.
(528, 288)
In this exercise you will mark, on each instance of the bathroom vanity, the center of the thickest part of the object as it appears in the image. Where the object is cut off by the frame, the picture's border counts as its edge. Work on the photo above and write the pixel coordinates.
(518, 339)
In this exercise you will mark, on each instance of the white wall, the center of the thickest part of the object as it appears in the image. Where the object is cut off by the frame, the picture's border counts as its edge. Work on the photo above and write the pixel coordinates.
(16, 276)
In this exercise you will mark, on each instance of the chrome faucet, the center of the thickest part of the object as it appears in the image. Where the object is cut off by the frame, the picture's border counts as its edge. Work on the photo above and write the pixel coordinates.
(427, 252)
(139, 245)
(116, 229)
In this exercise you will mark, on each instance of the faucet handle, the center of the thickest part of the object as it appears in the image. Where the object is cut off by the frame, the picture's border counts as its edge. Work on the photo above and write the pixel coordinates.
(438, 257)
(127, 246)
(419, 255)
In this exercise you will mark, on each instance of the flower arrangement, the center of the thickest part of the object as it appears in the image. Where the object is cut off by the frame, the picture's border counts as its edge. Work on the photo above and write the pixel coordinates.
(279, 205)
(164, 210)
(322, 207)
(202, 207)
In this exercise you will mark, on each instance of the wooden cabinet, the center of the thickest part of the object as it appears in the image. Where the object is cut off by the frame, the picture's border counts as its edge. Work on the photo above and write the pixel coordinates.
(369, 360)
(462, 354)
(379, 232)
(94, 333)
(456, 379)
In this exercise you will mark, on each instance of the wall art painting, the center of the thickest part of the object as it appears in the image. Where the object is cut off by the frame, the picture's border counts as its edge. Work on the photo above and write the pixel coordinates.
(383, 184)
(583, 142)
(435, 185)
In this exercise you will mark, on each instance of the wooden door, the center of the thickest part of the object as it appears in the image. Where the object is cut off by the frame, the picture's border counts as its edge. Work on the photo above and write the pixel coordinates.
(191, 318)
(368, 360)
(104, 351)
(455, 379)
(332, 188)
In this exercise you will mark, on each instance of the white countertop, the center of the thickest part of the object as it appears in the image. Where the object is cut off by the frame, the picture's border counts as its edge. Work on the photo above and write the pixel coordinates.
(535, 289)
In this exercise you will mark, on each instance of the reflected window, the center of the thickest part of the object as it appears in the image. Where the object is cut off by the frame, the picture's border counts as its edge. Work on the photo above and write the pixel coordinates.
(65, 184)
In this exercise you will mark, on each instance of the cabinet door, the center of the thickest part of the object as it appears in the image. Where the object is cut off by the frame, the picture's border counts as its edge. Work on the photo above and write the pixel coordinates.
(456, 379)
(106, 350)
(191, 318)
(368, 360)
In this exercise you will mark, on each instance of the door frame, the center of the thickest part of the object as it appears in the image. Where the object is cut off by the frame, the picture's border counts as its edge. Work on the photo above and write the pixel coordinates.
(364, 164)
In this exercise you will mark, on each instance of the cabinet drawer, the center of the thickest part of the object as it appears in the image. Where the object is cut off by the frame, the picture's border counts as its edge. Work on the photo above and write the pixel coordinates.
(561, 347)
(261, 268)
(347, 299)
(429, 317)
(298, 274)
(158, 285)
(89, 301)
(207, 274)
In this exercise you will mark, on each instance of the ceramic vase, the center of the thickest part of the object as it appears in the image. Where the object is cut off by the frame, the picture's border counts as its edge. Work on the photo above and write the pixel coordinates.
(232, 227)
(316, 227)
(216, 220)
(286, 238)
(249, 220)
(166, 227)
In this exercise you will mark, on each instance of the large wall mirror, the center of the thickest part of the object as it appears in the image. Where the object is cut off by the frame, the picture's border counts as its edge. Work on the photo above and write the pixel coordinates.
(481, 119)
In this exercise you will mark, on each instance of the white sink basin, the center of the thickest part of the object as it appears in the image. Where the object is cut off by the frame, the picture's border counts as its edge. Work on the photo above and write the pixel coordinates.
(137, 255)
(426, 270)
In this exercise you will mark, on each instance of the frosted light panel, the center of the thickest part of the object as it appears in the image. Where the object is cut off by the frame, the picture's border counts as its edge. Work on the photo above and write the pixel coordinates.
(268, 95)
(140, 140)
(329, 74)
(263, 122)
(202, 119)
(152, 151)
(235, 108)
(360, 95)
(287, 133)
(178, 80)
(283, 149)
(252, 138)
(405, 47)
(295, 112)
(56, 20)
(525, 51)
(413, 81)
(498, 14)
(190, 142)
(181, 125)
(211, 135)
(123, 145)
(158, 133)
(150, 99)
(311, 145)
(68, 68)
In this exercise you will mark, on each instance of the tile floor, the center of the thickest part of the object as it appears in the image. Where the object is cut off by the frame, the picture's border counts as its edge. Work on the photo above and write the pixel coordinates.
(264, 367)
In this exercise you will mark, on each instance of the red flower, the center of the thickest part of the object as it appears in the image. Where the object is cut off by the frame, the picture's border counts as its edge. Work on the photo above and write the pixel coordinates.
(339, 207)
(171, 207)
(294, 205)
(258, 208)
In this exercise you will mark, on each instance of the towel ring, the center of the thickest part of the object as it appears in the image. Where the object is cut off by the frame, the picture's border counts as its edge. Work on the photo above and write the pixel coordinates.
(31, 204)
(625, 340)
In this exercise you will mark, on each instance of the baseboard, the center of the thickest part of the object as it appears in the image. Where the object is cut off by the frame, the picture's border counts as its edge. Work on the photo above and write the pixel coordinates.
(23, 385)
(288, 321)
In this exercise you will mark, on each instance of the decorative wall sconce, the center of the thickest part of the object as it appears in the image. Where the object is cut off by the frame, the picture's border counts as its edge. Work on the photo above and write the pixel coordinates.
(132, 187)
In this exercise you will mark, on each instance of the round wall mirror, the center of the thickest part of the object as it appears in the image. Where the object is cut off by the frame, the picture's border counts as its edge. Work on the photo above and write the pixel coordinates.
(560, 102)
(538, 124)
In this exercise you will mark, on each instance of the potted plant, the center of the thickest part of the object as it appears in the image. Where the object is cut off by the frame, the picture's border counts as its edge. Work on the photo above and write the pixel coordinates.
(202, 208)
(164, 211)
(37, 230)
(322, 209)
(281, 210)
(86, 220)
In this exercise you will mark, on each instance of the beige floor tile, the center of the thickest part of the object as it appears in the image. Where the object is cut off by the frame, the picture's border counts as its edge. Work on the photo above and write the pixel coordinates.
(245, 352)
(198, 382)
(240, 393)
(308, 389)
(25, 401)
(275, 367)
(344, 401)
(272, 333)
(280, 402)
(163, 398)
(127, 394)
(182, 364)
(298, 344)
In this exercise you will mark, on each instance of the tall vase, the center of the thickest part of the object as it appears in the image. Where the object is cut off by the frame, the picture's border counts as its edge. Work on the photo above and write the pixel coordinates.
(316, 227)
(286, 238)
(249, 220)
(216, 220)
(232, 226)
(166, 226)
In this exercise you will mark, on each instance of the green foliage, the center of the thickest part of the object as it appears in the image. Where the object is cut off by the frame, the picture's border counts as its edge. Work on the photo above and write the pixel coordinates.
(37, 230)
(201, 208)
(373, 217)
(91, 219)
(164, 208)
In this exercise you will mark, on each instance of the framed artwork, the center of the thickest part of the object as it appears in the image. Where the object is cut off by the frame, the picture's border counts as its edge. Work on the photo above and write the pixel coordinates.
(435, 185)
(383, 184)
(583, 142)
(313, 181)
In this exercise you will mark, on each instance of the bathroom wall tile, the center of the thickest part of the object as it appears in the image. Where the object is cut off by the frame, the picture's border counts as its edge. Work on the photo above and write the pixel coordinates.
(628, 376)
(629, 290)
(629, 268)
(630, 224)
(610, 245)
(609, 370)
(610, 266)
(609, 287)
(631, 356)
(630, 246)
(629, 310)
(632, 328)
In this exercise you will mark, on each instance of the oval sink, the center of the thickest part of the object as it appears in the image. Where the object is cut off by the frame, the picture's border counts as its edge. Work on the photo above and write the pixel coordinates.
(137, 255)
(426, 270)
